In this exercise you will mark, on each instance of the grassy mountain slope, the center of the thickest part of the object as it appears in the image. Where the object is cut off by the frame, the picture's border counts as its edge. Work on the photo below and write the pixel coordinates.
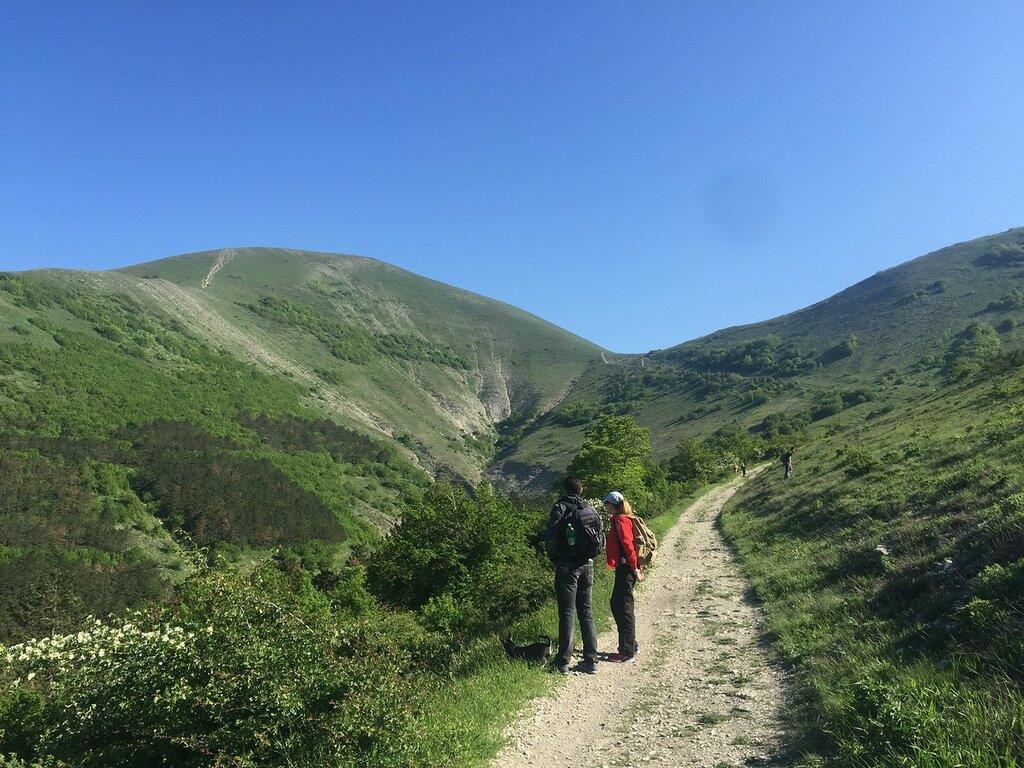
(257, 401)
(869, 341)
(891, 568)
(410, 358)
(250, 398)
(240, 400)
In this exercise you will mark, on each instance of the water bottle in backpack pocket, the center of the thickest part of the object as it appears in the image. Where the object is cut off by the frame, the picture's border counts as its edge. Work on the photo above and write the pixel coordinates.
(577, 535)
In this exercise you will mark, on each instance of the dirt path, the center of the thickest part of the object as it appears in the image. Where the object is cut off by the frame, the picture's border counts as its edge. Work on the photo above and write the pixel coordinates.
(701, 692)
(222, 259)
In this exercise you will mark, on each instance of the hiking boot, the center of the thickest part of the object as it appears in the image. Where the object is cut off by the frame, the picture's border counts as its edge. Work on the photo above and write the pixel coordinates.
(587, 667)
(561, 669)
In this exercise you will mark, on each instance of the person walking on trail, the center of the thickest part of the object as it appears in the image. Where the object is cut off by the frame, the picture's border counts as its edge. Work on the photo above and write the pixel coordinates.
(622, 556)
(743, 468)
(787, 462)
(574, 538)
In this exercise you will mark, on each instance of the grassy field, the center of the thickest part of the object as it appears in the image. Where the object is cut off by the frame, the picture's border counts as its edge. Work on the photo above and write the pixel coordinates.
(890, 567)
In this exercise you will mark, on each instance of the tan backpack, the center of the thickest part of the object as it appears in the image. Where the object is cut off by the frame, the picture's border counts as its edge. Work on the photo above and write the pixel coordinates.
(645, 541)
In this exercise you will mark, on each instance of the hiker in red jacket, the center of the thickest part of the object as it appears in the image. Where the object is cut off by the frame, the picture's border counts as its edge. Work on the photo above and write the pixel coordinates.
(621, 554)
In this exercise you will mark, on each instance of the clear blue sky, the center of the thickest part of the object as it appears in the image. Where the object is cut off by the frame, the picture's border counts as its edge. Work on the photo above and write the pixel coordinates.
(640, 173)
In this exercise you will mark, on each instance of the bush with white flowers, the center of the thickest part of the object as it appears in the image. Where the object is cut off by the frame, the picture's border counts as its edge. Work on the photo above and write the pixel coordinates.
(244, 670)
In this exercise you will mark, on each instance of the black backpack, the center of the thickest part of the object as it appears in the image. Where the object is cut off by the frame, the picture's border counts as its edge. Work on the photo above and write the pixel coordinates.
(575, 533)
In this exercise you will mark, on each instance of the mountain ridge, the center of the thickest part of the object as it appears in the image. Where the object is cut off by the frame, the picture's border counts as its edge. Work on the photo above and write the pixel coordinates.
(898, 318)
(257, 398)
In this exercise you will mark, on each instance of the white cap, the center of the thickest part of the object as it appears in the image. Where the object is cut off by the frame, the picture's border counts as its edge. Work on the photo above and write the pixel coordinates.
(614, 498)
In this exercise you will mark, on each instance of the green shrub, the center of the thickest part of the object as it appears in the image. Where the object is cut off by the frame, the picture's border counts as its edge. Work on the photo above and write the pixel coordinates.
(1013, 300)
(247, 670)
(840, 351)
(776, 425)
(1002, 255)
(693, 461)
(463, 560)
(976, 345)
(828, 404)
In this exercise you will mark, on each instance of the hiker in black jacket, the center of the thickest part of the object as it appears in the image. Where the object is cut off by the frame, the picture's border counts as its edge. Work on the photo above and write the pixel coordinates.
(574, 537)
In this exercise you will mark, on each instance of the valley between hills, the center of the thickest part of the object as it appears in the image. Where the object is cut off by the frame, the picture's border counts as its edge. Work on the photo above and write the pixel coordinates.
(186, 441)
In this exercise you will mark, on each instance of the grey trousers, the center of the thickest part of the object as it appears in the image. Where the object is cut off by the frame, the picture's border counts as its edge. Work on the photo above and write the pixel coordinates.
(573, 587)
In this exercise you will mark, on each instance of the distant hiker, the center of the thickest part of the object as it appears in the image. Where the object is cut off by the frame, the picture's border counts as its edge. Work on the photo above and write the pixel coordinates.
(787, 462)
(574, 538)
(622, 556)
(743, 468)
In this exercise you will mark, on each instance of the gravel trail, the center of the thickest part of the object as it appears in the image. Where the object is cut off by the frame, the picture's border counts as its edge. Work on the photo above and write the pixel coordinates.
(702, 691)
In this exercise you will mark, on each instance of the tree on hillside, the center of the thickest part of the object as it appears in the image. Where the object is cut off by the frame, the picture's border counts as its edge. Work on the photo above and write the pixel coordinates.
(616, 455)
(976, 345)
(733, 443)
(840, 351)
(693, 461)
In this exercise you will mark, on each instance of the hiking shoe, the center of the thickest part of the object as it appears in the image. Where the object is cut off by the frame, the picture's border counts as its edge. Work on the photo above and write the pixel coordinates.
(561, 669)
(620, 658)
(587, 667)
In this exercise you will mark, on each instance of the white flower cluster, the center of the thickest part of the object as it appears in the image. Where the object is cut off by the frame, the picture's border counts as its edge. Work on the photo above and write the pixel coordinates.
(97, 643)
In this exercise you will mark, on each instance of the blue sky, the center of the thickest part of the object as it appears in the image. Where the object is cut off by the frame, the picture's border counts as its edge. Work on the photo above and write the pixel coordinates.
(640, 173)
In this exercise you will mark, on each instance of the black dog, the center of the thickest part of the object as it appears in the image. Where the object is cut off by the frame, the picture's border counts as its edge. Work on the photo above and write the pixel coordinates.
(534, 653)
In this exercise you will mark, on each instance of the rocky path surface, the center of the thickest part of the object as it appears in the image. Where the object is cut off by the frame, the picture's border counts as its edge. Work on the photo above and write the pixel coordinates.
(702, 691)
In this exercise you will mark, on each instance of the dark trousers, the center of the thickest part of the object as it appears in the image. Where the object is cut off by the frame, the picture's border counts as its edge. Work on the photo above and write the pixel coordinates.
(573, 587)
(622, 609)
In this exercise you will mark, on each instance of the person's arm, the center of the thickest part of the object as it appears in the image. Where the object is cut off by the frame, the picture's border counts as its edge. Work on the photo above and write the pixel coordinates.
(628, 546)
(554, 517)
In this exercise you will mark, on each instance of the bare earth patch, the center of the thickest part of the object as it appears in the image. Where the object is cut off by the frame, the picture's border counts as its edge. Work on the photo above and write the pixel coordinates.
(702, 691)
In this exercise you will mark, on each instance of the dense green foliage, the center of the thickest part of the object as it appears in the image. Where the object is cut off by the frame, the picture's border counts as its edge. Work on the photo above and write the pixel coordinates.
(1013, 300)
(1002, 255)
(767, 356)
(254, 669)
(293, 661)
(977, 345)
(463, 561)
(74, 540)
(616, 456)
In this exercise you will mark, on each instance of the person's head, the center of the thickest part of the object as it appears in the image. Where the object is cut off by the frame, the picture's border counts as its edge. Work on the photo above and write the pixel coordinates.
(616, 503)
(573, 486)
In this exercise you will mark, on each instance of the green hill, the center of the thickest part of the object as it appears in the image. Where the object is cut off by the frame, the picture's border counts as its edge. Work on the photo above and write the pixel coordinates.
(274, 411)
(248, 398)
(883, 340)
(402, 356)
(252, 398)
